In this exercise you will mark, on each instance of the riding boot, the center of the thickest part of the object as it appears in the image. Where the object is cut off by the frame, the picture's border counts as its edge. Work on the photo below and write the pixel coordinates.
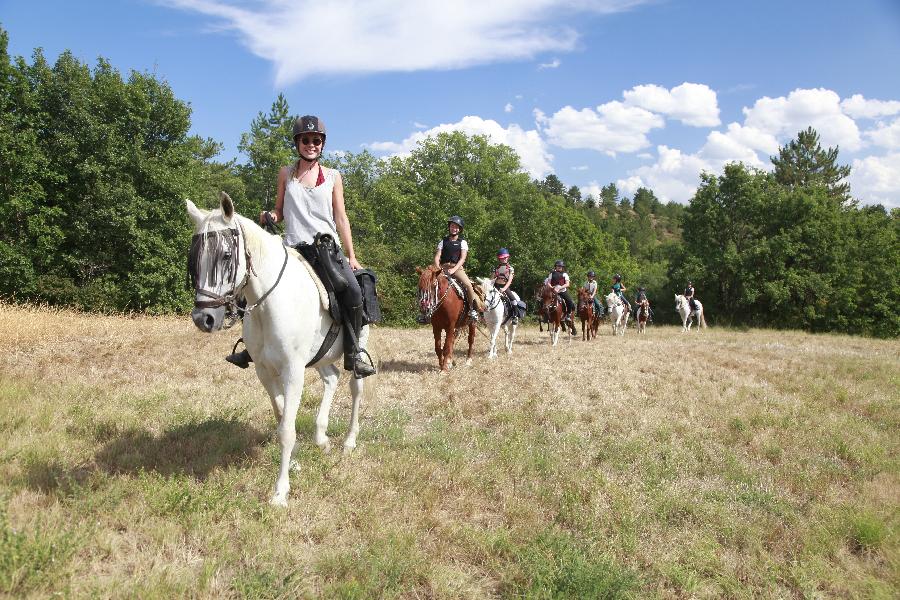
(353, 357)
(241, 359)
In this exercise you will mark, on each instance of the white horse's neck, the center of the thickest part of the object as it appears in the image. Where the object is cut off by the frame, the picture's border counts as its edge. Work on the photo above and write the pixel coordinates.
(266, 255)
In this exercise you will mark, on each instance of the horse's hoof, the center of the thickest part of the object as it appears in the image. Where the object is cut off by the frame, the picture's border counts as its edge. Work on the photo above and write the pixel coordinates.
(324, 446)
(279, 500)
(348, 449)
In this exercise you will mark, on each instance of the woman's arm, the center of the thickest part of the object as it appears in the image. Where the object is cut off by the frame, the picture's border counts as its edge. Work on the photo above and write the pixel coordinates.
(278, 213)
(341, 223)
(508, 281)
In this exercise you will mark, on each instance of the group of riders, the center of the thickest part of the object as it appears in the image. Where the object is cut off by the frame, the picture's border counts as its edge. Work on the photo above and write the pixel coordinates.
(453, 250)
(310, 202)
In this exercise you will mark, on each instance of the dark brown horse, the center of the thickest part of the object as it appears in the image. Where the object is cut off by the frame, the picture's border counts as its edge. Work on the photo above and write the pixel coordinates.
(589, 321)
(552, 312)
(643, 313)
(439, 301)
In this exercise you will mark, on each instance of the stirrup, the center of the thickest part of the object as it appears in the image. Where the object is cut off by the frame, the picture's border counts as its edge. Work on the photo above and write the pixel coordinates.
(241, 359)
(361, 368)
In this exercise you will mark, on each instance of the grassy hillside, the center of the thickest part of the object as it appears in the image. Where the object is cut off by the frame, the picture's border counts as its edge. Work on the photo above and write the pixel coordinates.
(135, 462)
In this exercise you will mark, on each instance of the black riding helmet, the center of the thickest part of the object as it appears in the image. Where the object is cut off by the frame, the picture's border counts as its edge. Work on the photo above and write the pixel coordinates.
(309, 124)
(559, 263)
(591, 274)
(458, 220)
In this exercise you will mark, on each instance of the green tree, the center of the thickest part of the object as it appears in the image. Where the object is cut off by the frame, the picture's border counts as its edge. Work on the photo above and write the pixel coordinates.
(803, 163)
(268, 146)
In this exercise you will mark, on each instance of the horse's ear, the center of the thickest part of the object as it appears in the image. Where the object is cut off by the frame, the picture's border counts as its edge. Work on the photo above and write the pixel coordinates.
(196, 215)
(227, 205)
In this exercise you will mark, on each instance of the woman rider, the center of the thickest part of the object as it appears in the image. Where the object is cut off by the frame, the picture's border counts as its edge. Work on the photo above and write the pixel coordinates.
(451, 255)
(689, 294)
(559, 280)
(620, 290)
(502, 278)
(591, 287)
(310, 200)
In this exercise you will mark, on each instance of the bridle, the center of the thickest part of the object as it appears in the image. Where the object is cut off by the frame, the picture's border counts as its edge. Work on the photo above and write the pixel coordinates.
(230, 300)
(428, 297)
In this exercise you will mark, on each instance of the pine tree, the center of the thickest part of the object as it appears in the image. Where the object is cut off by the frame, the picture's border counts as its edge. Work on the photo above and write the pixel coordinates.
(803, 163)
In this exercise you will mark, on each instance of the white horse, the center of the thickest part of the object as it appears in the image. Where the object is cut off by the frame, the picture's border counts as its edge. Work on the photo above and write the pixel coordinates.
(683, 306)
(284, 322)
(495, 317)
(618, 314)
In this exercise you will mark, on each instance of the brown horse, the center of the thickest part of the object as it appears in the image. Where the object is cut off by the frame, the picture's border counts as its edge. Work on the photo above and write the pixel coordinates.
(552, 311)
(643, 313)
(589, 322)
(443, 304)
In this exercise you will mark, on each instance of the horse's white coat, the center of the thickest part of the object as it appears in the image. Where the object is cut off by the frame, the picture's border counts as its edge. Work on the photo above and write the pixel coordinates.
(618, 314)
(493, 318)
(683, 306)
(283, 333)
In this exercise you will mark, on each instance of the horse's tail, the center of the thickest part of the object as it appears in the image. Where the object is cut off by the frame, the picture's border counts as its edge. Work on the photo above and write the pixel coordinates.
(702, 319)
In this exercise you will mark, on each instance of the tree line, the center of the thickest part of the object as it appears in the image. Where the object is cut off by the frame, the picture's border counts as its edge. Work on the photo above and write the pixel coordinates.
(94, 168)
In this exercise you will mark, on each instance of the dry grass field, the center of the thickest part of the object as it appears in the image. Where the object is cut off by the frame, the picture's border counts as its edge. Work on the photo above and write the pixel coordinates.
(135, 462)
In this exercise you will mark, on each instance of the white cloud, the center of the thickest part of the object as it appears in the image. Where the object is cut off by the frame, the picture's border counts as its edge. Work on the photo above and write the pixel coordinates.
(550, 65)
(592, 189)
(580, 168)
(613, 127)
(508, 108)
(398, 35)
(527, 144)
(859, 108)
(886, 135)
(876, 179)
(802, 108)
(691, 103)
(644, 155)
(627, 187)
(418, 125)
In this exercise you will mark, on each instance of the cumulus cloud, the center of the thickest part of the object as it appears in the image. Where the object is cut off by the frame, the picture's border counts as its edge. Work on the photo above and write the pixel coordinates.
(508, 108)
(528, 145)
(859, 108)
(613, 127)
(886, 135)
(691, 103)
(550, 65)
(877, 179)
(802, 108)
(398, 35)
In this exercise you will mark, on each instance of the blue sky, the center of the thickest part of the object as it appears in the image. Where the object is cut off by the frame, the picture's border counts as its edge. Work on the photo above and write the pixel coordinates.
(596, 91)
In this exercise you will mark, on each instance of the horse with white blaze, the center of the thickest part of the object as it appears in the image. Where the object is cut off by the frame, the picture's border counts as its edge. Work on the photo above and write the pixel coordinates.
(285, 320)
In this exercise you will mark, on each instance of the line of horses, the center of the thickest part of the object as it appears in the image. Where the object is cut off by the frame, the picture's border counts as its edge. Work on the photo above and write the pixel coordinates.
(238, 269)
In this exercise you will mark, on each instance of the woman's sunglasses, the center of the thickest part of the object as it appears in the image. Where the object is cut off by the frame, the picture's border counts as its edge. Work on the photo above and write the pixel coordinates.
(314, 141)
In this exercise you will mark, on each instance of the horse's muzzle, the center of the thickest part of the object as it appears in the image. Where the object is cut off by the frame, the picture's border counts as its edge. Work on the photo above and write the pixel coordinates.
(208, 319)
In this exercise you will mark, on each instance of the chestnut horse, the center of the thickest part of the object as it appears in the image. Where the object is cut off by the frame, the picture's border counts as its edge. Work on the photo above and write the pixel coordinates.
(552, 311)
(589, 322)
(643, 313)
(442, 304)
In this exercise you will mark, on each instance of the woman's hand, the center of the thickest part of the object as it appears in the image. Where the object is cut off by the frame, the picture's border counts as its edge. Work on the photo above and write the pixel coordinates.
(271, 213)
(354, 264)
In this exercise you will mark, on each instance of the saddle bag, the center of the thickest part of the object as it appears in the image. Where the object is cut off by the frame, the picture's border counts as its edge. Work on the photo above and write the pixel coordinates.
(520, 309)
(371, 307)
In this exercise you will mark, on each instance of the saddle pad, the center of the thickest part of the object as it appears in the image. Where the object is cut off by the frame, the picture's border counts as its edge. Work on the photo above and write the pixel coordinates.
(323, 293)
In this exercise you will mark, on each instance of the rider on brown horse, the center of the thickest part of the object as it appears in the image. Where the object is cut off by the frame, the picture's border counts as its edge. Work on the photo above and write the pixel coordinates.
(559, 281)
(591, 287)
(451, 254)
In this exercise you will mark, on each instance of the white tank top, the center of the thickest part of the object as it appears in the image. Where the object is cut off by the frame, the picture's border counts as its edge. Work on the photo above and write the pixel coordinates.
(308, 211)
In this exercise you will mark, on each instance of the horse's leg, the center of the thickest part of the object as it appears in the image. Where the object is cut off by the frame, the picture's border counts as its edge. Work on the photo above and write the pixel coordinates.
(448, 347)
(492, 348)
(330, 375)
(276, 392)
(287, 432)
(438, 348)
(357, 387)
(471, 343)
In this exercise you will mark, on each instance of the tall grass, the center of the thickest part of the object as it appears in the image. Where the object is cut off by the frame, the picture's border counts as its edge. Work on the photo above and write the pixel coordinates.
(135, 462)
